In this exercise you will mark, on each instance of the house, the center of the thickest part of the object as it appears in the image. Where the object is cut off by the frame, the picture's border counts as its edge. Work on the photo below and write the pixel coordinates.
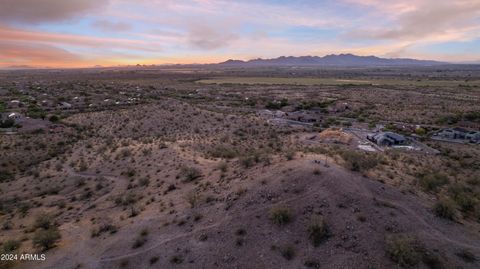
(473, 136)
(453, 133)
(303, 116)
(339, 107)
(271, 114)
(14, 104)
(387, 139)
(16, 117)
(458, 133)
(64, 106)
(47, 104)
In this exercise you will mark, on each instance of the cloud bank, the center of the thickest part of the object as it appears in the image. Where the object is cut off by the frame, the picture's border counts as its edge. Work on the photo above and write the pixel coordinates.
(90, 32)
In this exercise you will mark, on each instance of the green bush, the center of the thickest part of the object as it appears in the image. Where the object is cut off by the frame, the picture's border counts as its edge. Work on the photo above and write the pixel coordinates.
(463, 196)
(403, 250)
(288, 252)
(43, 221)
(54, 118)
(222, 151)
(5, 176)
(11, 245)
(276, 104)
(420, 131)
(281, 215)
(312, 263)
(359, 162)
(153, 260)
(431, 181)
(190, 173)
(318, 231)
(177, 259)
(445, 208)
(46, 239)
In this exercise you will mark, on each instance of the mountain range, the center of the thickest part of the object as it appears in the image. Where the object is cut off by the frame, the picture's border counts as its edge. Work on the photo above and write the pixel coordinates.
(332, 60)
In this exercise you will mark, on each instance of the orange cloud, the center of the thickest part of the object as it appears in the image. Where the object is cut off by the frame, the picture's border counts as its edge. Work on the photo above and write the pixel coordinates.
(12, 34)
(14, 54)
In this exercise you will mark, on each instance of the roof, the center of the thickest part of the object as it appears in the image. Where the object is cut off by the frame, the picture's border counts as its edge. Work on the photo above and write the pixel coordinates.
(459, 129)
(394, 136)
(65, 104)
(13, 114)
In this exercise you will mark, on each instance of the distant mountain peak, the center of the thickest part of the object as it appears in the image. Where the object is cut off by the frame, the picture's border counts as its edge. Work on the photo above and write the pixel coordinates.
(344, 59)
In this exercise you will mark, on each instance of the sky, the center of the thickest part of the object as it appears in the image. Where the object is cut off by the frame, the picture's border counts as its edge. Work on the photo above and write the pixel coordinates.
(85, 33)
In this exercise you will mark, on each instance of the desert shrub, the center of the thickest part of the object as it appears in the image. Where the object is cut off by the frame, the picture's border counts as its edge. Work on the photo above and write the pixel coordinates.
(24, 208)
(290, 155)
(131, 172)
(128, 199)
(463, 196)
(46, 239)
(466, 255)
(223, 167)
(356, 161)
(252, 158)
(190, 173)
(124, 263)
(144, 182)
(288, 252)
(36, 112)
(431, 181)
(432, 260)
(11, 245)
(472, 116)
(140, 241)
(54, 118)
(170, 188)
(177, 259)
(222, 151)
(43, 221)
(444, 208)
(318, 231)
(153, 260)
(312, 263)
(281, 215)
(240, 232)
(106, 227)
(276, 104)
(192, 198)
(239, 242)
(403, 250)
(420, 131)
(247, 161)
(5, 176)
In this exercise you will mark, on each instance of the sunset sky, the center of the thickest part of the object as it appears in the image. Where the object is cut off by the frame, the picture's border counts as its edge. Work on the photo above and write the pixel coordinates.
(82, 33)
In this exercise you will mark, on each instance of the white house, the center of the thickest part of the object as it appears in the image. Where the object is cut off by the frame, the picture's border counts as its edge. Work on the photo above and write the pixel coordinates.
(15, 116)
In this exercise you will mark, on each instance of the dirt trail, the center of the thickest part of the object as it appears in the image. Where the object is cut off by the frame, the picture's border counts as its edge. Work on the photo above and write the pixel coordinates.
(120, 184)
